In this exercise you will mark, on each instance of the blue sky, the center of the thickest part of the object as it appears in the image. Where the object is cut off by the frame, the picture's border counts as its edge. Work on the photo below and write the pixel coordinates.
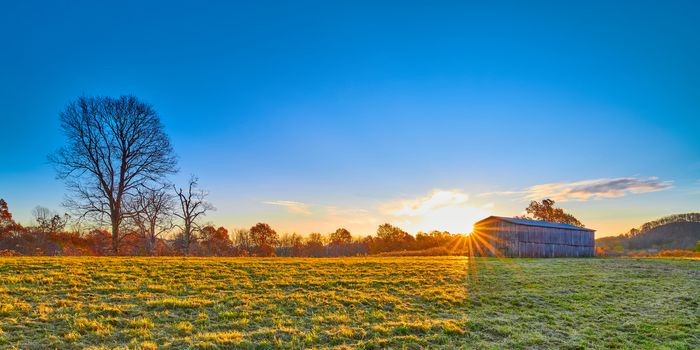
(314, 115)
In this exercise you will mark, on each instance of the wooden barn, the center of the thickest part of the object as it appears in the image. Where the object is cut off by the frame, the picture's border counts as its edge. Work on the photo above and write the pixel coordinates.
(512, 237)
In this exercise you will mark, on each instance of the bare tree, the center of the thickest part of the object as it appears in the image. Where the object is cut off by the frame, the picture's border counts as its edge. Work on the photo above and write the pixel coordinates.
(115, 146)
(152, 210)
(48, 224)
(242, 241)
(193, 205)
(48, 221)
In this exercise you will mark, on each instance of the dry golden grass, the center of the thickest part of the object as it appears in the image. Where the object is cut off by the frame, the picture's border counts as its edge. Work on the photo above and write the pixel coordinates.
(366, 303)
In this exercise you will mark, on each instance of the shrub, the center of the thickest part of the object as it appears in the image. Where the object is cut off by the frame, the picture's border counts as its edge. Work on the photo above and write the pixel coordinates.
(678, 253)
(8, 252)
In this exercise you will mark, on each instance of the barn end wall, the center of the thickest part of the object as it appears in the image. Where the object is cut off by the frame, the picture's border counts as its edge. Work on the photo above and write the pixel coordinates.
(507, 239)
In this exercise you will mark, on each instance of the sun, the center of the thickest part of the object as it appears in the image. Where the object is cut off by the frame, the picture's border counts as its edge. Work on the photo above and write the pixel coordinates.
(454, 219)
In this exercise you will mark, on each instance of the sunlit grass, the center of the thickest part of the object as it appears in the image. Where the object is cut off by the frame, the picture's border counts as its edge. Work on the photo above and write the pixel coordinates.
(368, 303)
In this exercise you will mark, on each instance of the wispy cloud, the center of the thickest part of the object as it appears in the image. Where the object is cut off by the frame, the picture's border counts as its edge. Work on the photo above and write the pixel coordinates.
(292, 206)
(351, 216)
(439, 210)
(591, 189)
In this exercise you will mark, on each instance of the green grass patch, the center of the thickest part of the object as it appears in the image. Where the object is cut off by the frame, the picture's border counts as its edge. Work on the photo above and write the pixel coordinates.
(365, 303)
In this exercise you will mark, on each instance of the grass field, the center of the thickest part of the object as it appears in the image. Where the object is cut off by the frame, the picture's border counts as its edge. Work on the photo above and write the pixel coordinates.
(366, 303)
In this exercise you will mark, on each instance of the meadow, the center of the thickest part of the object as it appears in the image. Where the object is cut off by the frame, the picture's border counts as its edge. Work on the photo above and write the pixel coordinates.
(365, 303)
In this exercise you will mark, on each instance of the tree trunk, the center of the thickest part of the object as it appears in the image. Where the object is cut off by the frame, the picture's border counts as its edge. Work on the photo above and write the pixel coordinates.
(115, 237)
(151, 239)
(153, 246)
(187, 239)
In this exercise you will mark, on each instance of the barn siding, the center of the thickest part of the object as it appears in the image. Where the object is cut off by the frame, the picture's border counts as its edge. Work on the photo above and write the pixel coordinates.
(517, 240)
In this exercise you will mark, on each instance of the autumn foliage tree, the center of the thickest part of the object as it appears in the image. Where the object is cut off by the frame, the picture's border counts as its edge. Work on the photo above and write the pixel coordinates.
(6, 221)
(264, 238)
(341, 236)
(391, 237)
(546, 211)
(8, 230)
(216, 242)
(339, 241)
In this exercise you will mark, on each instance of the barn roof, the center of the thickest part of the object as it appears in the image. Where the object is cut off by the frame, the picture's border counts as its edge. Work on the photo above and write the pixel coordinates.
(537, 223)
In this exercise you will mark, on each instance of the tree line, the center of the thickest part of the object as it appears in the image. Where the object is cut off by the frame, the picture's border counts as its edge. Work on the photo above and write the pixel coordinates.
(673, 232)
(51, 235)
(155, 233)
(648, 226)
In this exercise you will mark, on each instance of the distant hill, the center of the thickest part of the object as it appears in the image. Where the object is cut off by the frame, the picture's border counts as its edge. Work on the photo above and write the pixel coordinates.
(681, 231)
